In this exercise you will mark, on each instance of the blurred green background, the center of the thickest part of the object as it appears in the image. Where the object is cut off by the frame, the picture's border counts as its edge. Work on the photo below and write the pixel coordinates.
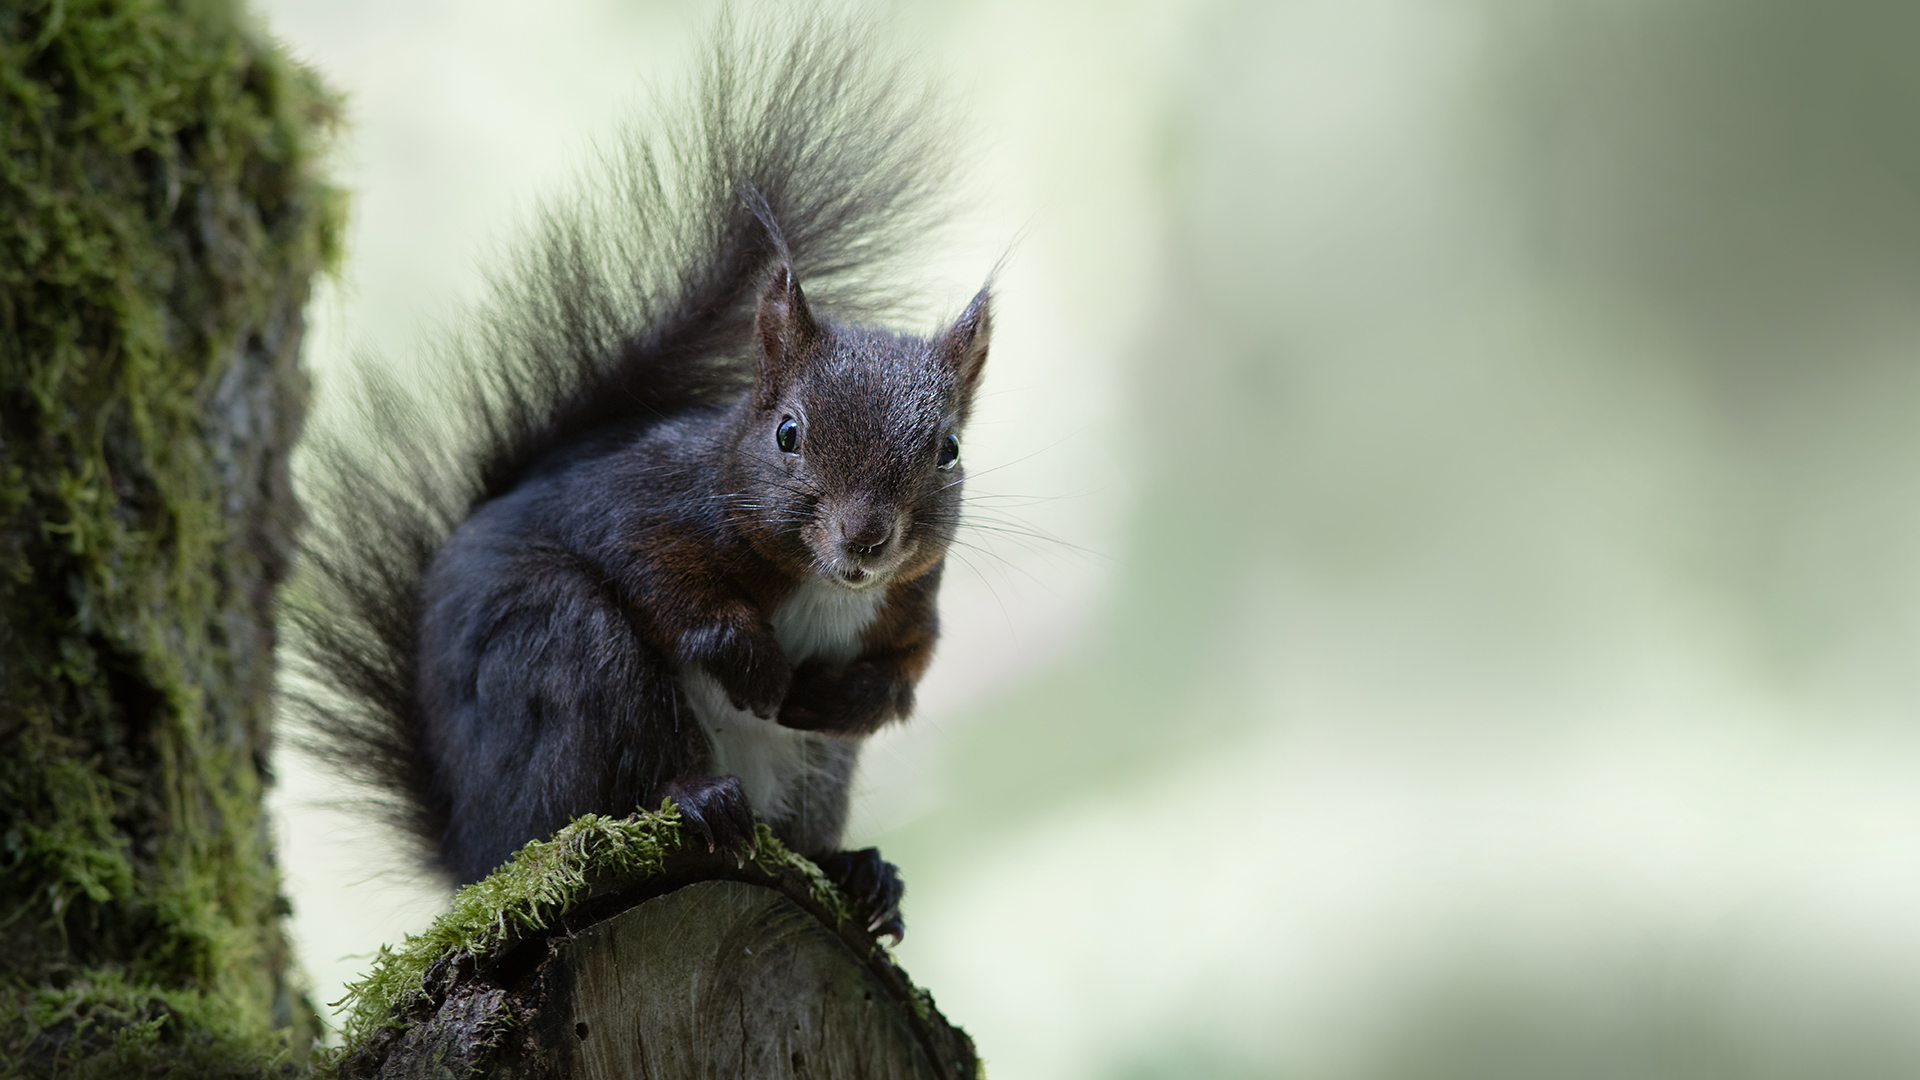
(1445, 599)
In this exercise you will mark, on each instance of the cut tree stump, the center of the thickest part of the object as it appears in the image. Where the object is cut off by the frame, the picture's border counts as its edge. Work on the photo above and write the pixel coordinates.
(690, 964)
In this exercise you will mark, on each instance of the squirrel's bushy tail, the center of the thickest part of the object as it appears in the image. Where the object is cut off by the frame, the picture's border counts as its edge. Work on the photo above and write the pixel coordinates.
(636, 297)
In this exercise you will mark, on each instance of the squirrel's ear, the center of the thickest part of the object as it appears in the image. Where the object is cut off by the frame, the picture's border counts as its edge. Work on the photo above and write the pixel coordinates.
(964, 347)
(783, 332)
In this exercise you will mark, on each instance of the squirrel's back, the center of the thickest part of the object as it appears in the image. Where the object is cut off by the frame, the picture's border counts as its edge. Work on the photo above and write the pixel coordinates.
(634, 302)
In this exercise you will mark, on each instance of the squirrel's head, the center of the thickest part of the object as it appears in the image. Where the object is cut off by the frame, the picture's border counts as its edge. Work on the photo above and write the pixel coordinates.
(848, 456)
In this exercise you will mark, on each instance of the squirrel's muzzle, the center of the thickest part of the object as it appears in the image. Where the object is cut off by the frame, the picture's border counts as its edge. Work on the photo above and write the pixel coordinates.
(865, 533)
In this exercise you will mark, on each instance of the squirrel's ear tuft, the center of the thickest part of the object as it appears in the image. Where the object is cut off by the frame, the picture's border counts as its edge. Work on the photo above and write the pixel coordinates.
(783, 333)
(964, 347)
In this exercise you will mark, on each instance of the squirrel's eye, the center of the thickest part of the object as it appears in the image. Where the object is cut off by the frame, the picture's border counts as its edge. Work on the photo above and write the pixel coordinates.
(787, 436)
(949, 453)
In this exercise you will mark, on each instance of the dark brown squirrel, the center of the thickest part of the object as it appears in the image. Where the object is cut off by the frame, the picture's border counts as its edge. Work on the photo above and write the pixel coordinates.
(684, 539)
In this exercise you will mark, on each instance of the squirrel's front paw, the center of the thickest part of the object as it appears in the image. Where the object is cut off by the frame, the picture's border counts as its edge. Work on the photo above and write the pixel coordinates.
(748, 665)
(843, 699)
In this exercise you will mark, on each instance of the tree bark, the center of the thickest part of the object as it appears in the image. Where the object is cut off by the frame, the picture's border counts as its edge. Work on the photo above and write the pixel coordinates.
(160, 223)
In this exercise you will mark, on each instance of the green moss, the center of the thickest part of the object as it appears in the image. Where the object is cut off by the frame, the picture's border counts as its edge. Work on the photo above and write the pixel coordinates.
(161, 216)
(100, 1025)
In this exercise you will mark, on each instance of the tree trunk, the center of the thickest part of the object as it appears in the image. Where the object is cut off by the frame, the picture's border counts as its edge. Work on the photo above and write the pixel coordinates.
(160, 223)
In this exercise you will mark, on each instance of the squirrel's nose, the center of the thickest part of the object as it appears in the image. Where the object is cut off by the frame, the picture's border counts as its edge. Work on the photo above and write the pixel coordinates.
(869, 540)
(864, 526)
(866, 531)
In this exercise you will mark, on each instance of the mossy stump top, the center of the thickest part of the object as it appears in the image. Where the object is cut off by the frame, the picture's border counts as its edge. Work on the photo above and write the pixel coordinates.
(621, 948)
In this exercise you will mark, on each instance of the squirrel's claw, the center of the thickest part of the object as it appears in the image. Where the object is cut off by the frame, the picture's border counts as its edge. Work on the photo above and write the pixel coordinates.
(714, 808)
(893, 928)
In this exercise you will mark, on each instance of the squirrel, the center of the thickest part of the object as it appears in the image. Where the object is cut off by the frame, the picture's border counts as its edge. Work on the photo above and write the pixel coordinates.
(680, 532)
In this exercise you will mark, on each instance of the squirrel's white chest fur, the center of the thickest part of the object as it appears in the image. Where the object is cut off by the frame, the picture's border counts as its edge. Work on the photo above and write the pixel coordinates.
(819, 620)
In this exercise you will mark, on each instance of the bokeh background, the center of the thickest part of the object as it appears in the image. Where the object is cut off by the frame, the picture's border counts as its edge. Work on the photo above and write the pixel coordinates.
(1445, 597)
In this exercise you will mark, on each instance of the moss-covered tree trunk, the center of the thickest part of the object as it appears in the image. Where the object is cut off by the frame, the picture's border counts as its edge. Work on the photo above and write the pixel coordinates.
(160, 223)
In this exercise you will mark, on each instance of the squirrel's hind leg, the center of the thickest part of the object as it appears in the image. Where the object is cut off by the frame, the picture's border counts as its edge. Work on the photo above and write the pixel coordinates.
(814, 823)
(874, 886)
